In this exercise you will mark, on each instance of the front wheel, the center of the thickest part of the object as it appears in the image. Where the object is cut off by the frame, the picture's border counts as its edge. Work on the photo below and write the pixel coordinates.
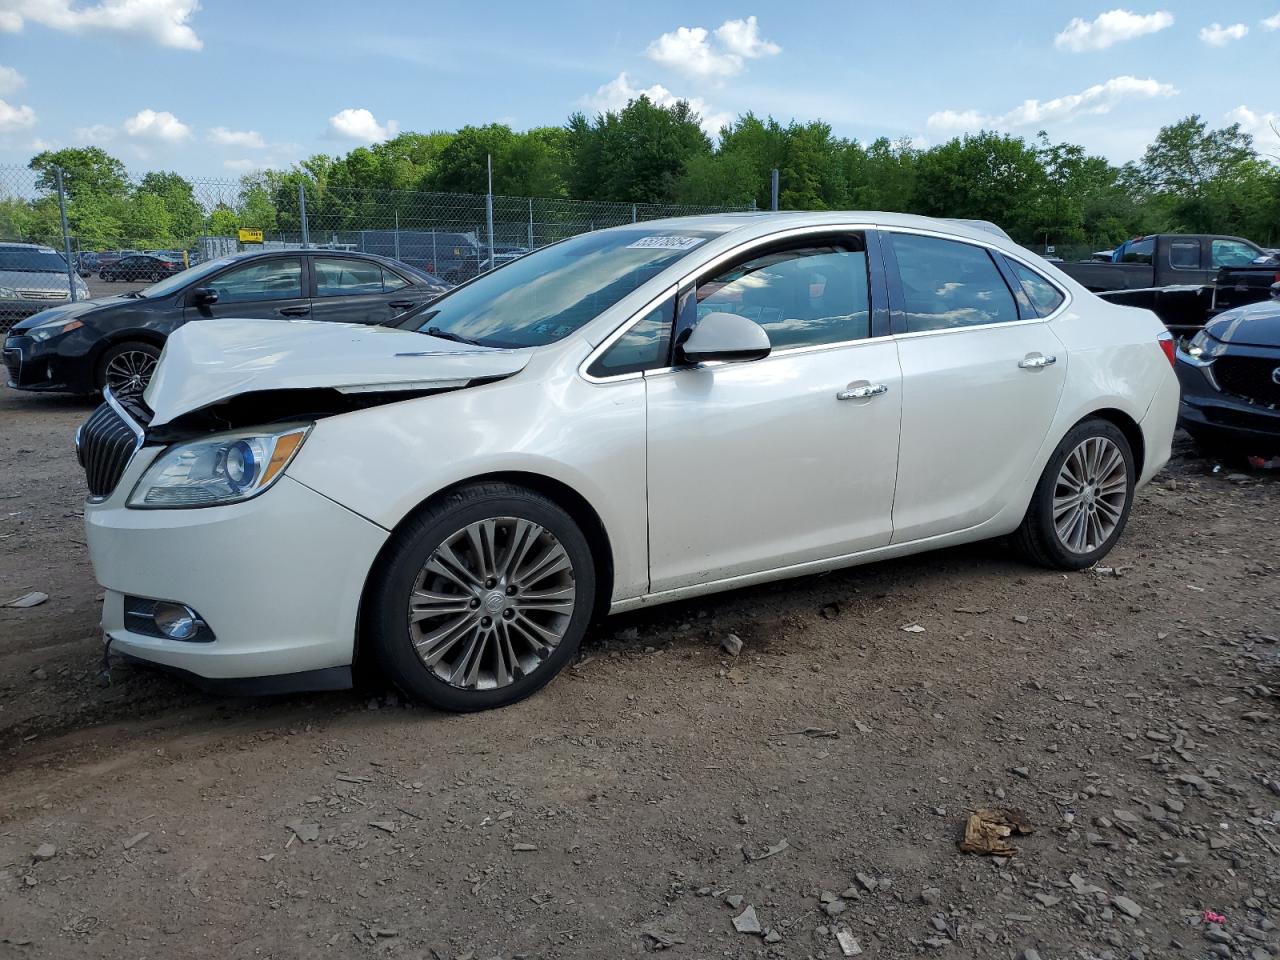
(482, 599)
(1082, 501)
(127, 368)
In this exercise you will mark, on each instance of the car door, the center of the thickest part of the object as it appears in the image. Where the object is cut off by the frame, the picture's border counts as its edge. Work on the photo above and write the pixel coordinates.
(790, 459)
(268, 287)
(982, 375)
(350, 290)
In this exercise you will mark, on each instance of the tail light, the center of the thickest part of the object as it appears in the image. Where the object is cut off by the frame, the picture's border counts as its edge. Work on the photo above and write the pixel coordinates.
(1165, 339)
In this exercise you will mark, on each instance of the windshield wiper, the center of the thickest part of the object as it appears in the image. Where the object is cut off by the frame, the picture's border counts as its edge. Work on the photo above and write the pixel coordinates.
(446, 335)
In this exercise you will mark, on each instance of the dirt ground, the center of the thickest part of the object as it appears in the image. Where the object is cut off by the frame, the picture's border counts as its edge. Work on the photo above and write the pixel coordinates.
(661, 787)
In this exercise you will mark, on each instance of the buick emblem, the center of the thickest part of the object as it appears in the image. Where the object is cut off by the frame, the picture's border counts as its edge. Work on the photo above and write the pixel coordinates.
(1275, 376)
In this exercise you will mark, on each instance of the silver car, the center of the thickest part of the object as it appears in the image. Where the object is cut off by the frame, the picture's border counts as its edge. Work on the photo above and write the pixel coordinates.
(32, 278)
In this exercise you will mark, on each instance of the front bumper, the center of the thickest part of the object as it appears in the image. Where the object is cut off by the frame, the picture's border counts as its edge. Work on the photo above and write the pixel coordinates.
(1208, 413)
(32, 364)
(278, 579)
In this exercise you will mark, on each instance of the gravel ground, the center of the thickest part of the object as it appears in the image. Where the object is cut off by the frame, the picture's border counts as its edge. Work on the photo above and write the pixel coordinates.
(661, 787)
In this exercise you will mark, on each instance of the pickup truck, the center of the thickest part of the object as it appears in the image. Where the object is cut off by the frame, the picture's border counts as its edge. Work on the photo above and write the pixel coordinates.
(1184, 278)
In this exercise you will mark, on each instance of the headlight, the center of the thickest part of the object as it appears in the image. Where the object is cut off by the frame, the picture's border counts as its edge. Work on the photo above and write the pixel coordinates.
(227, 468)
(8, 293)
(47, 330)
(1202, 347)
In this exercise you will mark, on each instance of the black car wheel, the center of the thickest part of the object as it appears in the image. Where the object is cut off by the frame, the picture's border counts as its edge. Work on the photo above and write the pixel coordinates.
(482, 599)
(1082, 502)
(103, 276)
(126, 368)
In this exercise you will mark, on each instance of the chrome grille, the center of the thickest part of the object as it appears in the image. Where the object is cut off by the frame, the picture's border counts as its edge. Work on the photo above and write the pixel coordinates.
(104, 445)
(1254, 378)
(43, 295)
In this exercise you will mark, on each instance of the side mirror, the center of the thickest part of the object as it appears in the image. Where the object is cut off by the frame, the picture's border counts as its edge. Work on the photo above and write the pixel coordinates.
(727, 337)
(204, 295)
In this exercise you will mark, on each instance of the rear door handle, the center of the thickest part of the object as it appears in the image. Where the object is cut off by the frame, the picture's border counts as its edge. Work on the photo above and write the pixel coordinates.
(1034, 361)
(294, 311)
(864, 392)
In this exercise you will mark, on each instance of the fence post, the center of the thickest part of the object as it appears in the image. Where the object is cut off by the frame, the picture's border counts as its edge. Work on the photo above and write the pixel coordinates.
(773, 190)
(488, 210)
(397, 235)
(302, 215)
(633, 213)
(531, 223)
(66, 233)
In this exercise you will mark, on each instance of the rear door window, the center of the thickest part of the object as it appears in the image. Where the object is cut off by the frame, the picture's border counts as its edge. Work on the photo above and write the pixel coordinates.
(337, 277)
(279, 279)
(1140, 251)
(1184, 254)
(947, 284)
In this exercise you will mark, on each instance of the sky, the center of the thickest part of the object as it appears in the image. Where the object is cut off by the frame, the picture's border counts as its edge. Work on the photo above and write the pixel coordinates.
(222, 87)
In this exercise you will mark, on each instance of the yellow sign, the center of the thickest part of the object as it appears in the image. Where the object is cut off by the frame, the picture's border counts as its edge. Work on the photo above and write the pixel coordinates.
(250, 236)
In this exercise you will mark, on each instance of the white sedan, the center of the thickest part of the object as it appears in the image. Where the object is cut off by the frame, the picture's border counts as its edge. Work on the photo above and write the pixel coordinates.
(631, 416)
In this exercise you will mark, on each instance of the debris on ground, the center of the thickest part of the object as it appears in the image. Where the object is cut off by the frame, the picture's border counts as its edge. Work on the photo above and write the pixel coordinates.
(849, 945)
(136, 839)
(989, 828)
(912, 628)
(776, 849)
(32, 599)
(747, 921)
(304, 830)
(732, 645)
(46, 851)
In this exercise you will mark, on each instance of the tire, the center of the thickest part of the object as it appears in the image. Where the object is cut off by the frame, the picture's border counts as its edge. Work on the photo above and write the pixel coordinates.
(1085, 540)
(470, 667)
(103, 276)
(115, 364)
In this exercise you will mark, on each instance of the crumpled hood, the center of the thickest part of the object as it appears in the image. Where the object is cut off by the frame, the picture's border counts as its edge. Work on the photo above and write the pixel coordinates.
(68, 311)
(1253, 325)
(207, 361)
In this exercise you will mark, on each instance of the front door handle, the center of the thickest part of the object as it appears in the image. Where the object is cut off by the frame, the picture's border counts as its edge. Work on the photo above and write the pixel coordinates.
(864, 392)
(1034, 361)
(294, 311)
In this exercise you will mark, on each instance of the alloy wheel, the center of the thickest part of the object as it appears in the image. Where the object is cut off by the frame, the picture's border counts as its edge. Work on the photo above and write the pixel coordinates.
(492, 603)
(1089, 495)
(129, 372)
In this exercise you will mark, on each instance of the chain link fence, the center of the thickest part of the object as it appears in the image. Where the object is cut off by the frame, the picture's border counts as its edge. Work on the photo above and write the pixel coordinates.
(99, 222)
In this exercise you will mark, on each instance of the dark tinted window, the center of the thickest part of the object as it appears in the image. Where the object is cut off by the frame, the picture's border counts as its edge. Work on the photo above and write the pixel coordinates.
(346, 278)
(802, 297)
(947, 284)
(1184, 254)
(643, 347)
(261, 280)
(392, 281)
(32, 260)
(1044, 296)
(1140, 251)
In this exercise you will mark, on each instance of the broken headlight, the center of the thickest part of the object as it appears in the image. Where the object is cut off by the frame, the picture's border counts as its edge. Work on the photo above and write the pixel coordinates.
(226, 468)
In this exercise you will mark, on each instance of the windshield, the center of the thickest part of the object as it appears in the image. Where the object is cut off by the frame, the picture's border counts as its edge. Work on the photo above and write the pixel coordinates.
(32, 260)
(547, 295)
(180, 279)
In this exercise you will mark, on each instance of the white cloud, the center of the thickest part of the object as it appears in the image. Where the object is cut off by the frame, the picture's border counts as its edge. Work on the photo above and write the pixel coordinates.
(617, 93)
(98, 133)
(1271, 23)
(742, 37)
(1097, 99)
(1216, 35)
(14, 117)
(152, 125)
(688, 50)
(242, 165)
(1110, 28)
(39, 143)
(166, 22)
(1265, 127)
(250, 139)
(360, 124)
(11, 81)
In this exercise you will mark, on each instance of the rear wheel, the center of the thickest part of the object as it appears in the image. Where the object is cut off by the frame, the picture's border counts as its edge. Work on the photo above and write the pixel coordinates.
(1082, 501)
(482, 599)
(127, 368)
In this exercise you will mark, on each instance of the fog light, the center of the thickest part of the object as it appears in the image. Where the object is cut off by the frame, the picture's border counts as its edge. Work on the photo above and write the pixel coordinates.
(175, 620)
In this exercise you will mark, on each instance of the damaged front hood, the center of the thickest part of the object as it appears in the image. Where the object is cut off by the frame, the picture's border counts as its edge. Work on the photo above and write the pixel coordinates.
(208, 361)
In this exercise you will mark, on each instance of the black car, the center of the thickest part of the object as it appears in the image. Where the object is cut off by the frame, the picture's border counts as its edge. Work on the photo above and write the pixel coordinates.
(115, 342)
(1230, 376)
(140, 266)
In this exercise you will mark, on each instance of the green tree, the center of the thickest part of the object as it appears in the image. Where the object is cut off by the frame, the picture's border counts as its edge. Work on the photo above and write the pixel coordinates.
(88, 170)
(176, 194)
(1190, 168)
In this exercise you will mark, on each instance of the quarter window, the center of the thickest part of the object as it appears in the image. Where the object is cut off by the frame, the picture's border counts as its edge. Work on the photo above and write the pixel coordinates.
(1044, 296)
(1233, 253)
(392, 281)
(802, 297)
(261, 280)
(1184, 254)
(1139, 251)
(948, 285)
(643, 347)
(346, 278)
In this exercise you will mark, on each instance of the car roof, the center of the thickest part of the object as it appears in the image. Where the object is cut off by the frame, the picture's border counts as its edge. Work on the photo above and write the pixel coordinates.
(19, 245)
